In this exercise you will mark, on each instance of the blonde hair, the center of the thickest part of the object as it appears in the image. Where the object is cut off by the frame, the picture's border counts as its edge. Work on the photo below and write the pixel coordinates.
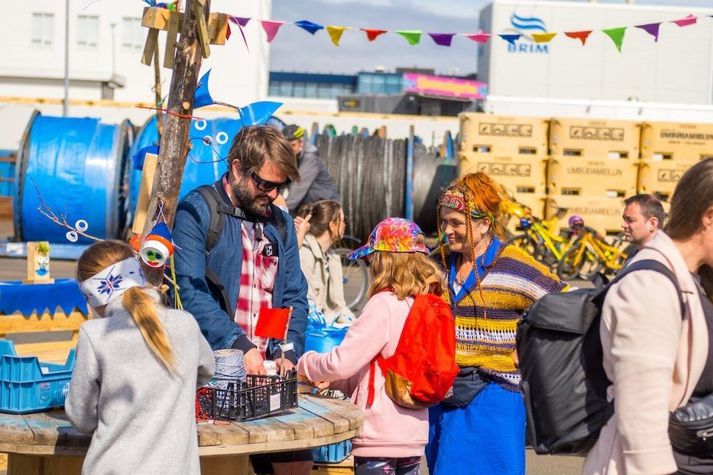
(406, 274)
(136, 301)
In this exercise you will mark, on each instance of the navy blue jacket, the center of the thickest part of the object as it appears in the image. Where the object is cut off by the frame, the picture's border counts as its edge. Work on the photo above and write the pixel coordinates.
(209, 281)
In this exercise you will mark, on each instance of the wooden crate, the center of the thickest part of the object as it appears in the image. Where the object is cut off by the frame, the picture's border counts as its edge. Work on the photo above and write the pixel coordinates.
(597, 139)
(520, 175)
(581, 176)
(660, 177)
(503, 135)
(684, 143)
(536, 203)
(602, 214)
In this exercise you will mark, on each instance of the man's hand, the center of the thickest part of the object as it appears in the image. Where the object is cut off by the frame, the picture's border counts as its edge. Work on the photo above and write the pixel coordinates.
(288, 366)
(253, 362)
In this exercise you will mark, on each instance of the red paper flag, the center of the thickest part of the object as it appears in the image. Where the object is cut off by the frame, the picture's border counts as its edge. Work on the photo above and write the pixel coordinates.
(271, 28)
(579, 35)
(272, 323)
(372, 34)
(479, 37)
(689, 20)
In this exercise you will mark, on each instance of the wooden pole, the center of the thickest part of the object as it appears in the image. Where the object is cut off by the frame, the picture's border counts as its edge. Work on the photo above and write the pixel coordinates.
(174, 140)
(157, 94)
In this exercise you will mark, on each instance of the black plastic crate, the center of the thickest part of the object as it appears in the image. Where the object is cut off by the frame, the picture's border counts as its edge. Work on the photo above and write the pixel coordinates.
(258, 396)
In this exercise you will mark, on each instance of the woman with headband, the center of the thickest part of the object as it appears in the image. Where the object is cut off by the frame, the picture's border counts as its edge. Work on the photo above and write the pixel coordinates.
(481, 427)
(136, 373)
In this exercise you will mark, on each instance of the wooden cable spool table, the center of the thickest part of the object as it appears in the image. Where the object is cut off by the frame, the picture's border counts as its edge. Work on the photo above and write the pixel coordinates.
(46, 443)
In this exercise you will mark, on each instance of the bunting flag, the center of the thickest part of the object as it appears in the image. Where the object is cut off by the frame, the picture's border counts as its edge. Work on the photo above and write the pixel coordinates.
(241, 22)
(309, 27)
(579, 35)
(543, 37)
(479, 37)
(616, 35)
(652, 29)
(442, 39)
(412, 36)
(202, 95)
(272, 323)
(511, 38)
(257, 112)
(372, 34)
(335, 33)
(689, 20)
(271, 28)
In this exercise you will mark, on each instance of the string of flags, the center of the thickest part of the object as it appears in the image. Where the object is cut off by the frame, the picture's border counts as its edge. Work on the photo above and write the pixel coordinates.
(413, 37)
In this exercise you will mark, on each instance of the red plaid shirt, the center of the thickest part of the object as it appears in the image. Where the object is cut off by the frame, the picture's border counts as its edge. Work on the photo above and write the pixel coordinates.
(257, 280)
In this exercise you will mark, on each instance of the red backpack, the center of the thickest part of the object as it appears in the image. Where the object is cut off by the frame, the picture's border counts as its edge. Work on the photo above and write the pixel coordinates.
(423, 368)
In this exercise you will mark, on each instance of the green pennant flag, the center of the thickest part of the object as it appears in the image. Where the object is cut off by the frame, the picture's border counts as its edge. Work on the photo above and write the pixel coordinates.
(616, 35)
(412, 36)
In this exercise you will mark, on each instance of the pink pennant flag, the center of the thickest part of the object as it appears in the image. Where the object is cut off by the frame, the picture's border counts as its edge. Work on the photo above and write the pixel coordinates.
(689, 20)
(479, 37)
(652, 29)
(241, 22)
(271, 28)
(579, 35)
(442, 39)
(372, 34)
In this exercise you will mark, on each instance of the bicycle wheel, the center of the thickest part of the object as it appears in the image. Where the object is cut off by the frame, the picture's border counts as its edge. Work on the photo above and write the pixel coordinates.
(572, 261)
(355, 275)
(526, 243)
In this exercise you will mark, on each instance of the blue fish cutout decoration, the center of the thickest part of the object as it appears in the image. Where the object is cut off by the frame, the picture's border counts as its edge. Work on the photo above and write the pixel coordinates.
(258, 112)
(202, 95)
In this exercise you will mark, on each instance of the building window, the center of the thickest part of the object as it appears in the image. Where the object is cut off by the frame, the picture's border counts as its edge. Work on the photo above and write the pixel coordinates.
(87, 31)
(42, 29)
(132, 34)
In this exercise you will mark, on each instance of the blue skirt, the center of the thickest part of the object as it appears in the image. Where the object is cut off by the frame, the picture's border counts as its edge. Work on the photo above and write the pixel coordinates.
(486, 437)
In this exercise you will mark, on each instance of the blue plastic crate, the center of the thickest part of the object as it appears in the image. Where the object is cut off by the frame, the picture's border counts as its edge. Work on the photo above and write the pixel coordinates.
(29, 385)
(333, 453)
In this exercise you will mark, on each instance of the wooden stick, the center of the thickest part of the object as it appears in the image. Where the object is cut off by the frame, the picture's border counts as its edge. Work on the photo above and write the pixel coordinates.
(284, 341)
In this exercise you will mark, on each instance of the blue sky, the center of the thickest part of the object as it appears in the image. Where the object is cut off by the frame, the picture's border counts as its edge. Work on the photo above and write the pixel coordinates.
(295, 50)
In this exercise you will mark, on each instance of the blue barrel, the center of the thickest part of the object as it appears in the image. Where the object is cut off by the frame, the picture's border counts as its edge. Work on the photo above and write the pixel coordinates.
(79, 168)
(206, 162)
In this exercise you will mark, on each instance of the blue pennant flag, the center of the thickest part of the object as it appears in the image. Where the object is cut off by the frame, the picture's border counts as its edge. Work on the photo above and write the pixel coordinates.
(511, 38)
(202, 95)
(309, 27)
(257, 112)
(140, 156)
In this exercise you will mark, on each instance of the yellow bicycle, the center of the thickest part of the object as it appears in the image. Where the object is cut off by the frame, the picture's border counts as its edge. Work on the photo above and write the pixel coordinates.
(589, 254)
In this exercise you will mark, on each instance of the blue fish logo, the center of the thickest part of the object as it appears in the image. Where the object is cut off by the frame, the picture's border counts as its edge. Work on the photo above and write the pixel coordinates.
(524, 24)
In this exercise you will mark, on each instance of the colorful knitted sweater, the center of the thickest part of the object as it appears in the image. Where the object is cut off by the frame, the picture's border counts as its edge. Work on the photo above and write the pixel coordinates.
(487, 315)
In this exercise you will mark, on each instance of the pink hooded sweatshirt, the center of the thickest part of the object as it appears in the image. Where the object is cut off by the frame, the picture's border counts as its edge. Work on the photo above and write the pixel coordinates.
(389, 430)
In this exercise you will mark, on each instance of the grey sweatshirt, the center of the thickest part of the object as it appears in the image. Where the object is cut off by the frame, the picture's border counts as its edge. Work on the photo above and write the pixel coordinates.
(142, 417)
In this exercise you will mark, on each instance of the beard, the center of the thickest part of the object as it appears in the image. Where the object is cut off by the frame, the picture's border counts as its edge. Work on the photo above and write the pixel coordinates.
(252, 203)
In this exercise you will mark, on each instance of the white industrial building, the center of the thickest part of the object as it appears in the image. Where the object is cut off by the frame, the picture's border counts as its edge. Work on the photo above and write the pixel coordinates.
(666, 80)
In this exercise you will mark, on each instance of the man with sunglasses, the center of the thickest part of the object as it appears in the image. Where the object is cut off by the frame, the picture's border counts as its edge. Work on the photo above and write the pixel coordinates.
(227, 275)
(315, 183)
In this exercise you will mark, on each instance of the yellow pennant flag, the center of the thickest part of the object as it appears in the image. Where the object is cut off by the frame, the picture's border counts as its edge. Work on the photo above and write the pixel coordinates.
(335, 33)
(543, 37)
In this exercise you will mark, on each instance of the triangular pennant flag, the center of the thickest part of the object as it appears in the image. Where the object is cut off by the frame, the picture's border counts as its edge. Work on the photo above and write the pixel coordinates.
(479, 37)
(272, 323)
(412, 36)
(228, 32)
(202, 95)
(616, 35)
(335, 33)
(579, 35)
(241, 22)
(257, 112)
(511, 38)
(442, 39)
(372, 34)
(271, 28)
(543, 37)
(689, 20)
(652, 29)
(309, 27)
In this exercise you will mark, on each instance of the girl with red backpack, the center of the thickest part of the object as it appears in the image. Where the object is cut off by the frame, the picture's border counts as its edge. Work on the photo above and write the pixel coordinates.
(394, 436)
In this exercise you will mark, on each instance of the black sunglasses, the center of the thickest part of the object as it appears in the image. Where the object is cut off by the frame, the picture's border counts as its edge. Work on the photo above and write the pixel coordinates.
(267, 186)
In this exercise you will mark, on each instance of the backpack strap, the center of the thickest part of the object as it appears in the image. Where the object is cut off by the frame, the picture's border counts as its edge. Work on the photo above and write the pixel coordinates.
(645, 264)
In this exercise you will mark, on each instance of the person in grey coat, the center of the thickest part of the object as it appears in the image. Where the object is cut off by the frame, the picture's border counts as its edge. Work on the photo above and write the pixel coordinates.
(315, 182)
(136, 372)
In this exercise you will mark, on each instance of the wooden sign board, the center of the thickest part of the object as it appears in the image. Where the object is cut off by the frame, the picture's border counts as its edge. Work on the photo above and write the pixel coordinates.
(142, 206)
(38, 263)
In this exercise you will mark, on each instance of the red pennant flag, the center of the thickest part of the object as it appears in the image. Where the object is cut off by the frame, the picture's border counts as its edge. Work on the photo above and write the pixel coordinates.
(272, 323)
(689, 20)
(479, 37)
(271, 28)
(579, 35)
(372, 34)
